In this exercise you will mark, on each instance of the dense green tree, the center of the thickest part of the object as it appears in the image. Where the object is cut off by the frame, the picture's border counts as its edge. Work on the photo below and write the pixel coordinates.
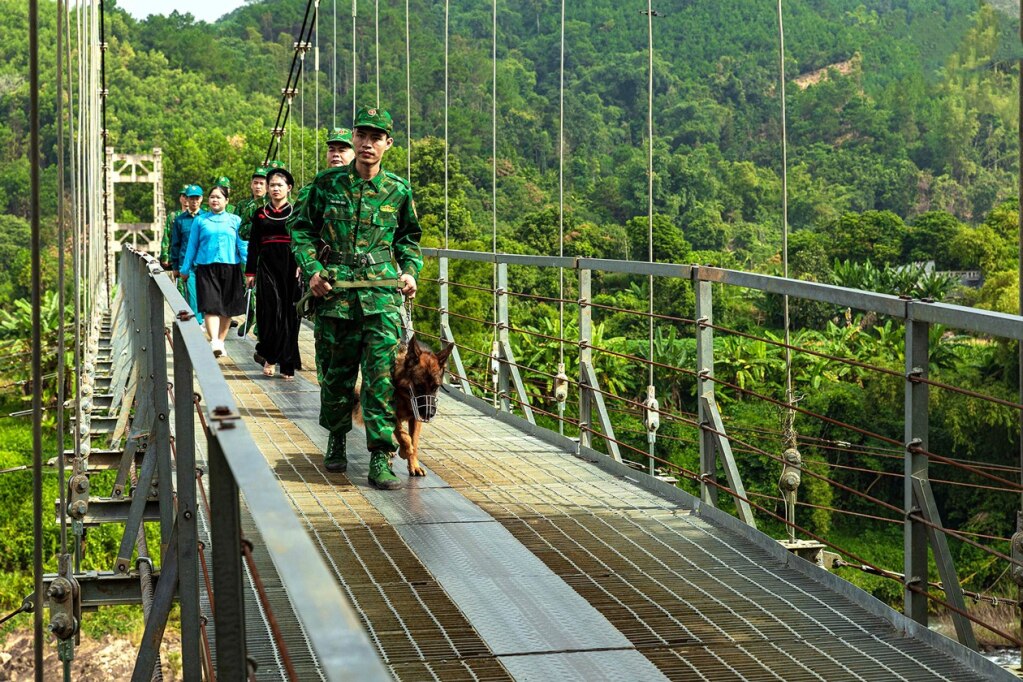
(873, 235)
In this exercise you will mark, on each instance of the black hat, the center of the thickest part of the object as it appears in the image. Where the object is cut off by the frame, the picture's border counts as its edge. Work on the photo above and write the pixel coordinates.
(280, 171)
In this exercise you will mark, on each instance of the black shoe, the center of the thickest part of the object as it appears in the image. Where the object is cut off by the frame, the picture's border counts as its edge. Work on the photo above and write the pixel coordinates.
(336, 459)
(234, 323)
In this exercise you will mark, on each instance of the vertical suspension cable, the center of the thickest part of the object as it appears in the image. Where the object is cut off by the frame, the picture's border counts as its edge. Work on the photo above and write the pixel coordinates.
(301, 110)
(1019, 193)
(355, 70)
(61, 322)
(493, 153)
(561, 380)
(651, 416)
(447, 145)
(37, 341)
(316, 84)
(376, 38)
(790, 433)
(79, 146)
(493, 142)
(333, 68)
(561, 191)
(408, 96)
(107, 219)
(76, 268)
(650, 183)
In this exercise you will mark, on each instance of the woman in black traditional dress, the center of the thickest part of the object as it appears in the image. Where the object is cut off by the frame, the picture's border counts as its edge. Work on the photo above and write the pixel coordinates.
(272, 269)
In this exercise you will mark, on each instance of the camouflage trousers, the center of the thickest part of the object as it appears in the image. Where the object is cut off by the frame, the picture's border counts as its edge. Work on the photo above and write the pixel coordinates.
(187, 291)
(369, 342)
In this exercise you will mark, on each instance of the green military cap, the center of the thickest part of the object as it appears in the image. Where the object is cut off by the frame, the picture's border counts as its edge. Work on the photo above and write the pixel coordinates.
(222, 181)
(342, 135)
(184, 190)
(260, 172)
(372, 117)
(275, 164)
(193, 191)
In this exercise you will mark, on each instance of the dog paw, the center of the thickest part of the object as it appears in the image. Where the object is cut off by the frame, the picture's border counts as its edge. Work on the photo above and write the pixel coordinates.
(414, 469)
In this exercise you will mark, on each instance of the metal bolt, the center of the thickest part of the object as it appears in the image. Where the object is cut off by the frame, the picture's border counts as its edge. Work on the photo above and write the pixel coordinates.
(187, 516)
(59, 590)
(62, 625)
(79, 508)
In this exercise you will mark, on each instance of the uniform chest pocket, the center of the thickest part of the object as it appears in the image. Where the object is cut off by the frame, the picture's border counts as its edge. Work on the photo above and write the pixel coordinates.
(337, 212)
(385, 220)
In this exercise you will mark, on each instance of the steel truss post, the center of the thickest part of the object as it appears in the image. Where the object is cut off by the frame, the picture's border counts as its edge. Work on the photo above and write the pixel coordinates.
(159, 433)
(916, 466)
(705, 387)
(148, 394)
(508, 369)
(187, 512)
(445, 329)
(919, 500)
(226, 537)
(163, 599)
(724, 447)
(589, 389)
(943, 558)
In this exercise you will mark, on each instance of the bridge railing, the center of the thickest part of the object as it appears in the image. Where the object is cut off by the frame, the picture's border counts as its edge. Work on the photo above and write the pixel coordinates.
(166, 470)
(536, 388)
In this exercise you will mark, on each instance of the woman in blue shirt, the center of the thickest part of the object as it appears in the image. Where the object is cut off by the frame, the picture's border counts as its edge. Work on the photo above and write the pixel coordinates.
(214, 253)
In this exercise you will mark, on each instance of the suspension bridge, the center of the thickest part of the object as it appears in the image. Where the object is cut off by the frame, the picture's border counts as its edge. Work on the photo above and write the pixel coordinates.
(542, 544)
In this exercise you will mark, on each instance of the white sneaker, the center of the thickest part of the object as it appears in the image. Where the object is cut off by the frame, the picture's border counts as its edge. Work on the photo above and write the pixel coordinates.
(218, 347)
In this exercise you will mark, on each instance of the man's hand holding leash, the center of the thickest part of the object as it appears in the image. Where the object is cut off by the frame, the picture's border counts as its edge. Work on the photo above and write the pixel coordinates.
(409, 290)
(319, 285)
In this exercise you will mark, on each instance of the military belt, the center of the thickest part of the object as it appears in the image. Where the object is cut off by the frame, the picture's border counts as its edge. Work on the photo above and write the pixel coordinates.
(307, 304)
(360, 260)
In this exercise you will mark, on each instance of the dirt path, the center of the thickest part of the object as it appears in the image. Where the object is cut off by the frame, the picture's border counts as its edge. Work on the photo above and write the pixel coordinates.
(109, 658)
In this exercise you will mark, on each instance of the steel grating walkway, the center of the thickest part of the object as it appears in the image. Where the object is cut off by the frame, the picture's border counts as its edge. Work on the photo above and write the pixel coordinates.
(515, 559)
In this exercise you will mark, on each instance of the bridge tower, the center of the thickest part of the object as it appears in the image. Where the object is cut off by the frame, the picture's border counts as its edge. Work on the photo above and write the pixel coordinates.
(134, 168)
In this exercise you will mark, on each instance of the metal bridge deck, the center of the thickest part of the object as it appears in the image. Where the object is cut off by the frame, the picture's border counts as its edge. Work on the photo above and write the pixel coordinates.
(515, 559)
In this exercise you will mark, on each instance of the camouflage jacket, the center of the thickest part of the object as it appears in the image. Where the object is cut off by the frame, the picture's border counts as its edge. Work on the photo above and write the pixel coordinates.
(165, 240)
(372, 232)
(246, 208)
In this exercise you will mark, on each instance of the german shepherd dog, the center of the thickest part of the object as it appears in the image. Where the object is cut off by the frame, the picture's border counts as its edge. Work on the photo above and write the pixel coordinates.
(417, 375)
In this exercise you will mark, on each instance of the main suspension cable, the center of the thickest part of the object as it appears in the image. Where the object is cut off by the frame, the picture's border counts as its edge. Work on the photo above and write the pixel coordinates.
(408, 95)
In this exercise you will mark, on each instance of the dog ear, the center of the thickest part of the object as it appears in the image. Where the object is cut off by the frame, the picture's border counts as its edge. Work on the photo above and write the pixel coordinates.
(412, 355)
(442, 356)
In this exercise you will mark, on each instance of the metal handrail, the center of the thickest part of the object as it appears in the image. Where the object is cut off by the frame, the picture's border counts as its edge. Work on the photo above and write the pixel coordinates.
(923, 525)
(959, 317)
(328, 620)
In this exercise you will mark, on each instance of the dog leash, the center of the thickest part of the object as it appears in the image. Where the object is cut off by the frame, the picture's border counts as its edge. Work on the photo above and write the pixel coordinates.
(407, 332)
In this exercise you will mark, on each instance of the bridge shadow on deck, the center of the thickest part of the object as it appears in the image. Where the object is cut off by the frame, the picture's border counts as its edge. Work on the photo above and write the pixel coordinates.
(516, 559)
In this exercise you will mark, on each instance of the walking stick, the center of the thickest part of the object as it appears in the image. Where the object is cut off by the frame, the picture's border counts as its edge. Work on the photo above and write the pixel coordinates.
(244, 327)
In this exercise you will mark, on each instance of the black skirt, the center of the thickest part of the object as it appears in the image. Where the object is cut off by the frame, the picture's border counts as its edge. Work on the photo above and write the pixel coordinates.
(220, 289)
(278, 289)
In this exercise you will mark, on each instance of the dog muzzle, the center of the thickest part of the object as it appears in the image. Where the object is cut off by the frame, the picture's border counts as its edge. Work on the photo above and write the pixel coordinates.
(424, 407)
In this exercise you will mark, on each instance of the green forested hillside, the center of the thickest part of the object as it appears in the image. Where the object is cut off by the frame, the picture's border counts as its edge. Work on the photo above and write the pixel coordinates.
(902, 148)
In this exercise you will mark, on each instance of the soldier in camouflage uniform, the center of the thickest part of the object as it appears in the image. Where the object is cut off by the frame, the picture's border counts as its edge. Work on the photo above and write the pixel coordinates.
(165, 241)
(339, 153)
(247, 207)
(367, 218)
